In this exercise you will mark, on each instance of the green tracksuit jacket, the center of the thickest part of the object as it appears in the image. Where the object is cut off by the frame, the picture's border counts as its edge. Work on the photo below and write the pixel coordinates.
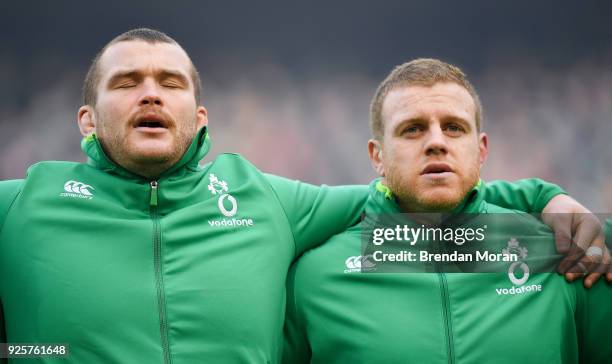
(189, 268)
(339, 314)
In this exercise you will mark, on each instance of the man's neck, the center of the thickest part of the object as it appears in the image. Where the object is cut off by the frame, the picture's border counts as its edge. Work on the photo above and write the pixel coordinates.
(415, 207)
(150, 171)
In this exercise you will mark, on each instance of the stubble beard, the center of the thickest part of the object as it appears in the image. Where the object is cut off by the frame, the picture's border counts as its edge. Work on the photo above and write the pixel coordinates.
(117, 147)
(420, 199)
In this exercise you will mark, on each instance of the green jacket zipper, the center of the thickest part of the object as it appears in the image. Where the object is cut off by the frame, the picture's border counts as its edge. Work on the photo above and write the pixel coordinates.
(159, 279)
(448, 323)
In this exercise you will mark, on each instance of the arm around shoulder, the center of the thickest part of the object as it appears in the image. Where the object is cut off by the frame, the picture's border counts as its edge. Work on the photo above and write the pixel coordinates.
(316, 213)
(529, 195)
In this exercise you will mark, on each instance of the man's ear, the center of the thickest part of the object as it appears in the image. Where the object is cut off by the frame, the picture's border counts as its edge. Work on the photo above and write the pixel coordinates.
(375, 151)
(86, 120)
(483, 146)
(201, 117)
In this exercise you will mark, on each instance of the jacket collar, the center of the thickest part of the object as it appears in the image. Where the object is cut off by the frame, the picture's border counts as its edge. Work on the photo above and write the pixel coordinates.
(97, 158)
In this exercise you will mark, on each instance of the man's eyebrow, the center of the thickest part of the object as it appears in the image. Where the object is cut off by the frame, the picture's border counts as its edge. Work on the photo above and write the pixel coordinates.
(173, 74)
(135, 75)
(130, 74)
(410, 121)
(456, 119)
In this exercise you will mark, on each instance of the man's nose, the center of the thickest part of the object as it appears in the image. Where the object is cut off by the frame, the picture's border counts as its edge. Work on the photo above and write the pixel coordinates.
(436, 142)
(150, 94)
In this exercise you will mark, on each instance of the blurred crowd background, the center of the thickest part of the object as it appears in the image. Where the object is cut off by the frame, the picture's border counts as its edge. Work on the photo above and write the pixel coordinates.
(289, 85)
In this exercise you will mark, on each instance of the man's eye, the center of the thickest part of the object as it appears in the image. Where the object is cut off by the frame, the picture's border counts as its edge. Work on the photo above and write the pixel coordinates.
(126, 85)
(171, 85)
(411, 130)
(454, 129)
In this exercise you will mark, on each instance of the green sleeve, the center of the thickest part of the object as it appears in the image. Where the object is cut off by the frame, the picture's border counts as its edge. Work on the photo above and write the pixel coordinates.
(316, 213)
(2, 330)
(528, 195)
(8, 192)
(296, 349)
(594, 317)
(596, 324)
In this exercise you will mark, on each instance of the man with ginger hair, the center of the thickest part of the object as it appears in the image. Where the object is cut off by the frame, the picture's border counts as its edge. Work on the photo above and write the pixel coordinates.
(346, 303)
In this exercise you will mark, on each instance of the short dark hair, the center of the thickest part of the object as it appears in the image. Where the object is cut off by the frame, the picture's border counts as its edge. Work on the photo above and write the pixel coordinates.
(419, 72)
(147, 35)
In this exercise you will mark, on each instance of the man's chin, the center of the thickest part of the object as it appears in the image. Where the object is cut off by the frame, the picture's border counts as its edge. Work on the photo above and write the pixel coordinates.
(152, 153)
(439, 201)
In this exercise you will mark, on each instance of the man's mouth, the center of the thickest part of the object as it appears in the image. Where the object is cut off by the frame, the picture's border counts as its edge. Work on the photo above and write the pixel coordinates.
(436, 169)
(151, 123)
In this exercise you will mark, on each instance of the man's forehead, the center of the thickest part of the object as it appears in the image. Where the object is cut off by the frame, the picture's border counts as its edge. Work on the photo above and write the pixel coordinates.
(416, 100)
(139, 55)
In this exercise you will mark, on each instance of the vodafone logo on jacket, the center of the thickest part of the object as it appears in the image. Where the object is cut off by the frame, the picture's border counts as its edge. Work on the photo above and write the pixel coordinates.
(518, 284)
(227, 204)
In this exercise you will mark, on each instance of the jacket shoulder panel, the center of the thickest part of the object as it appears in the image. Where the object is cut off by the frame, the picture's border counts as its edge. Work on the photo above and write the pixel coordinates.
(9, 190)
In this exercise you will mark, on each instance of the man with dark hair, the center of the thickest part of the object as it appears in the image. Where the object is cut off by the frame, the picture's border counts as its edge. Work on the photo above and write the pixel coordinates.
(141, 255)
(143, 34)
(155, 135)
(357, 299)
